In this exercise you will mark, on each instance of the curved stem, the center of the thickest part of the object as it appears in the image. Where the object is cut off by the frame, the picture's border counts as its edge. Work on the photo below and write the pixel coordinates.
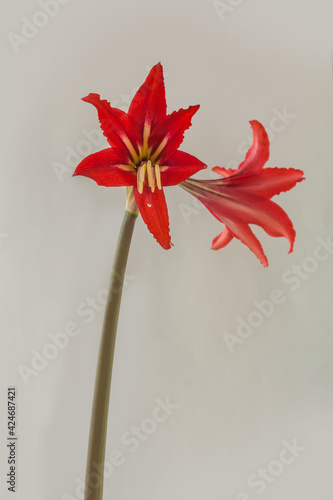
(100, 408)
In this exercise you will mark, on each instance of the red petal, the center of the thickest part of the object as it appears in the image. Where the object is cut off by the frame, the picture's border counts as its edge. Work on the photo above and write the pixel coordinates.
(247, 208)
(154, 211)
(246, 236)
(148, 105)
(104, 168)
(270, 182)
(120, 130)
(237, 229)
(255, 158)
(242, 232)
(237, 208)
(275, 221)
(168, 134)
(222, 239)
(180, 166)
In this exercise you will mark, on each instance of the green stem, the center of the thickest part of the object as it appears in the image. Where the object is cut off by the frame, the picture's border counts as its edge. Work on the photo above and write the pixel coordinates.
(100, 409)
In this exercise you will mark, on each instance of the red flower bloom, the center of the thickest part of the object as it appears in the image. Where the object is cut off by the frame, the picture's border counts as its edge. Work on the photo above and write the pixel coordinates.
(242, 197)
(144, 151)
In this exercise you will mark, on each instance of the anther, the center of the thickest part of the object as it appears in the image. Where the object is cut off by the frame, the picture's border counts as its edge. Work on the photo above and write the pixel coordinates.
(151, 176)
(158, 176)
(141, 177)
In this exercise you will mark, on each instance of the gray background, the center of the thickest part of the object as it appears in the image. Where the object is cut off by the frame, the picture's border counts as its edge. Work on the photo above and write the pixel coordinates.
(235, 411)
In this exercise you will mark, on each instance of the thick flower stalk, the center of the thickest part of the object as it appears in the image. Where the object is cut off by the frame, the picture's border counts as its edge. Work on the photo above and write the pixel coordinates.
(243, 197)
(144, 151)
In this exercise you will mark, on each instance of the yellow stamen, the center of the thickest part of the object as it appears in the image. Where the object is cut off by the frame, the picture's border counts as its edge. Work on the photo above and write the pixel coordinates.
(139, 184)
(146, 133)
(130, 148)
(141, 177)
(143, 172)
(158, 176)
(127, 168)
(159, 149)
(151, 176)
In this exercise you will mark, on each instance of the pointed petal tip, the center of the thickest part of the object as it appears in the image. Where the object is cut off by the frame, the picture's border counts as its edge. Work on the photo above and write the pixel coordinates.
(91, 96)
(292, 241)
(165, 246)
(186, 112)
(214, 246)
(263, 260)
(157, 70)
(165, 243)
(258, 128)
(255, 123)
(224, 172)
(191, 110)
(256, 156)
(148, 105)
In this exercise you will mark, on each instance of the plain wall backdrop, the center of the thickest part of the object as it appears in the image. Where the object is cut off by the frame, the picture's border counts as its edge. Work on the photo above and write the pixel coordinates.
(268, 405)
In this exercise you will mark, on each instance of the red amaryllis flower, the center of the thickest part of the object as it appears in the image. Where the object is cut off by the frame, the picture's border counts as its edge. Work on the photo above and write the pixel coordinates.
(244, 195)
(144, 151)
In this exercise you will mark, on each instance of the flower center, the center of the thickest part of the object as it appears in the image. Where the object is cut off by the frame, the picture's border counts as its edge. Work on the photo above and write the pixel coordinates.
(147, 172)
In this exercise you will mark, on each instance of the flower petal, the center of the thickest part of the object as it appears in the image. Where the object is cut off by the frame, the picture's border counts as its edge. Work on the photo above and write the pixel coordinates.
(238, 229)
(255, 158)
(154, 211)
(248, 208)
(237, 209)
(168, 134)
(270, 182)
(118, 127)
(181, 165)
(105, 169)
(274, 220)
(234, 227)
(148, 106)
(222, 239)
(246, 236)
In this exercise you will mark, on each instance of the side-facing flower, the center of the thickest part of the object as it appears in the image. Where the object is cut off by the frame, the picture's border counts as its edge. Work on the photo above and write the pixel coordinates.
(144, 151)
(244, 195)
